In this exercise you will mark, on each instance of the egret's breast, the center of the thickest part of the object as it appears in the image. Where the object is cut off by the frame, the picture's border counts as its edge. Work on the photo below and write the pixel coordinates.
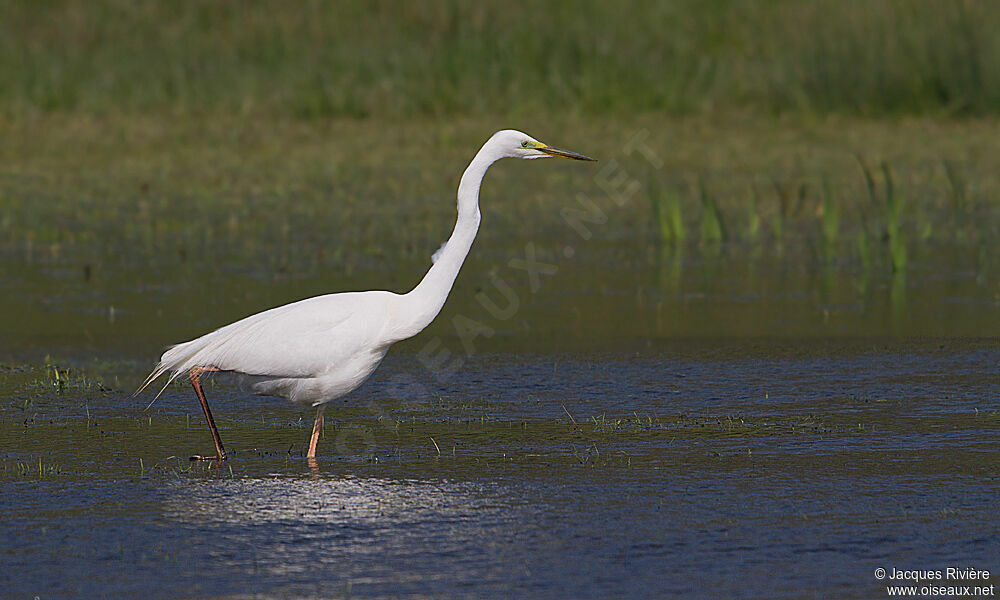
(339, 380)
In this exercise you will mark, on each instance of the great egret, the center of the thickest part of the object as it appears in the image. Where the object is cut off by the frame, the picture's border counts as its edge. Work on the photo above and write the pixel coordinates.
(316, 350)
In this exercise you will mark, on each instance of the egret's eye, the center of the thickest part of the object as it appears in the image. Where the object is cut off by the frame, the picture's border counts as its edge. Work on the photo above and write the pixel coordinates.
(525, 143)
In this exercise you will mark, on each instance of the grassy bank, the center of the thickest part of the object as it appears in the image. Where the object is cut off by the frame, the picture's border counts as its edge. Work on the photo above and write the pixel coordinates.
(802, 178)
(365, 59)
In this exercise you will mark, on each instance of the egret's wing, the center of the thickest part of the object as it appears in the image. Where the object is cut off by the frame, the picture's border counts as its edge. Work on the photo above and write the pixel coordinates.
(299, 341)
(302, 339)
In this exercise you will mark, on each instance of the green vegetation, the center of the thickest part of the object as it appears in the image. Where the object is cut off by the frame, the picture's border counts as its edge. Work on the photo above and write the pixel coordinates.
(446, 57)
(667, 214)
(713, 229)
(829, 220)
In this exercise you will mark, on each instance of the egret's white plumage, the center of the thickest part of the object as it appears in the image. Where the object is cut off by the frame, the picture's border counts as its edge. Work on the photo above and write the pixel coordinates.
(316, 350)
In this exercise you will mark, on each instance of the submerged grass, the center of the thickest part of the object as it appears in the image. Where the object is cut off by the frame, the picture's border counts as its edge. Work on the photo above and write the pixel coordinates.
(58, 442)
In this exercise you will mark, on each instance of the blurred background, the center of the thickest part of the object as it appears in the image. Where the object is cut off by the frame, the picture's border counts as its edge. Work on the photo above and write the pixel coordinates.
(445, 59)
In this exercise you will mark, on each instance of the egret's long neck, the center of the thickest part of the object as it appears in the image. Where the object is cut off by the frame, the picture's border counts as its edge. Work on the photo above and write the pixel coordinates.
(425, 301)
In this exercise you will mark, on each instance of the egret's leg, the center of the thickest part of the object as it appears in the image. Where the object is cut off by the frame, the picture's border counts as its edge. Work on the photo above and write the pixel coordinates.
(195, 375)
(317, 427)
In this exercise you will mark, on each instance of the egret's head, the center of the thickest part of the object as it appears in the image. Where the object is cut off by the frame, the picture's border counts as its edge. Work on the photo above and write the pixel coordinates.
(515, 144)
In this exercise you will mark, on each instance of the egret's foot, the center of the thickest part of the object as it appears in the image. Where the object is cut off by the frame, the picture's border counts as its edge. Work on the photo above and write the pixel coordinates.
(200, 457)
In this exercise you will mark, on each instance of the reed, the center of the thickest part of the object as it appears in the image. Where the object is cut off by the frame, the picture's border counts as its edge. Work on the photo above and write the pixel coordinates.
(713, 227)
(667, 215)
(893, 229)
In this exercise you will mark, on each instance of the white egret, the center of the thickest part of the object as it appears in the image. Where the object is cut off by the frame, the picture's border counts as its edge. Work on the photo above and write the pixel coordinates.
(316, 350)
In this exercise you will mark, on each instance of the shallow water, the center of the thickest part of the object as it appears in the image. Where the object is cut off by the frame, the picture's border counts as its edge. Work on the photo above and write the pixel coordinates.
(734, 468)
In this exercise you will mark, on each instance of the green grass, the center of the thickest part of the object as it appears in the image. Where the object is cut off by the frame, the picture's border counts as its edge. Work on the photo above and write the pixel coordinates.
(829, 218)
(667, 214)
(444, 57)
(713, 228)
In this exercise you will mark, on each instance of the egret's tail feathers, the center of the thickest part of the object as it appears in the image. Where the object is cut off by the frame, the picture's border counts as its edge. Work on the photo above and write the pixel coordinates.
(174, 360)
(215, 349)
(159, 370)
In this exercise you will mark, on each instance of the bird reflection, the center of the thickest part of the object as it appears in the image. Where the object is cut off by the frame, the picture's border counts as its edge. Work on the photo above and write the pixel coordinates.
(328, 500)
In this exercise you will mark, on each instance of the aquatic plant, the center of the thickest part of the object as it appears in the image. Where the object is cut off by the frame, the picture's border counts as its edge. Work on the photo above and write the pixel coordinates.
(753, 221)
(713, 228)
(957, 199)
(667, 214)
(890, 203)
(829, 219)
(893, 229)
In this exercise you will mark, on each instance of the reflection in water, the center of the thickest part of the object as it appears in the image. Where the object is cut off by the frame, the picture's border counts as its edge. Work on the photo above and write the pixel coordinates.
(376, 535)
(326, 500)
(897, 302)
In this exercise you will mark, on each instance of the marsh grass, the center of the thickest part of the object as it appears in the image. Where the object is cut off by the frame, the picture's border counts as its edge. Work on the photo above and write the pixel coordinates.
(686, 427)
(957, 200)
(66, 379)
(753, 217)
(713, 227)
(861, 217)
(890, 205)
(829, 221)
(894, 206)
(667, 214)
(375, 59)
(59, 444)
